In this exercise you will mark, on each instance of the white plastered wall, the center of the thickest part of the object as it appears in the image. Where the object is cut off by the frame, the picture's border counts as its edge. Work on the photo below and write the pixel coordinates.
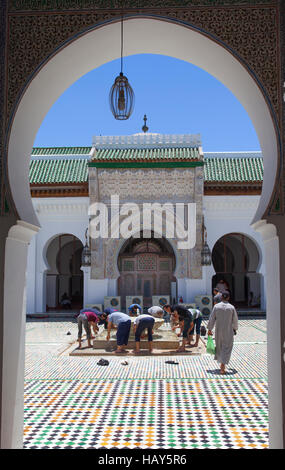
(57, 216)
(69, 215)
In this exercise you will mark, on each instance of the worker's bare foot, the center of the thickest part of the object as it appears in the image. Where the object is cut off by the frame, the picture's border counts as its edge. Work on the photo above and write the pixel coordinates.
(180, 350)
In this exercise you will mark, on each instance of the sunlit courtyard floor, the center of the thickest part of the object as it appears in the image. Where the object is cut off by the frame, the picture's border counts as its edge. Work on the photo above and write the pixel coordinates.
(71, 402)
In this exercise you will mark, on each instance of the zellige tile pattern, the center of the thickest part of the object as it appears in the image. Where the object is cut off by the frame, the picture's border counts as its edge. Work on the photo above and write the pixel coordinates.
(70, 402)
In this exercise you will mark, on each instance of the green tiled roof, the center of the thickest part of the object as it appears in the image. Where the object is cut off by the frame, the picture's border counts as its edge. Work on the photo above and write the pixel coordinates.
(50, 171)
(54, 170)
(146, 154)
(47, 151)
(233, 170)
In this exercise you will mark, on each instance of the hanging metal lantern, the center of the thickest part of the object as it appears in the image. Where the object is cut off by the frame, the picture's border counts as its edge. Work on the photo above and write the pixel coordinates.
(86, 256)
(121, 94)
(206, 255)
(86, 253)
(121, 98)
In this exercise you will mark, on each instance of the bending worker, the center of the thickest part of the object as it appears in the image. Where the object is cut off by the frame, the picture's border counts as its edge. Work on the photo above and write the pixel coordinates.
(142, 322)
(87, 318)
(134, 309)
(182, 316)
(123, 323)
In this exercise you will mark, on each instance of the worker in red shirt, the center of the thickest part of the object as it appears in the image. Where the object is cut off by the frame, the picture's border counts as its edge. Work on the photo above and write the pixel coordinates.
(88, 319)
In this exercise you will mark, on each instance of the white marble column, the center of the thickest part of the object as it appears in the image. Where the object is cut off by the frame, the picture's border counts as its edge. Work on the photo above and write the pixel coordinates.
(94, 290)
(86, 279)
(181, 289)
(274, 343)
(209, 272)
(14, 320)
(112, 287)
(31, 280)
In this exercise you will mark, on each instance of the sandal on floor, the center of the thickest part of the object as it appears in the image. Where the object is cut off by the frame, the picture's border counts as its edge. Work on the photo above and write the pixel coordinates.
(103, 362)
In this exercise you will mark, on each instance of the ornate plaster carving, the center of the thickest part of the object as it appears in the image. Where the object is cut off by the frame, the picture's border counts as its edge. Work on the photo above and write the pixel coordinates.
(151, 184)
(249, 30)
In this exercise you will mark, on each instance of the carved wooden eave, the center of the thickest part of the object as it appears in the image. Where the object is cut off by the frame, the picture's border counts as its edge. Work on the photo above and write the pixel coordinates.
(232, 189)
(60, 190)
(81, 189)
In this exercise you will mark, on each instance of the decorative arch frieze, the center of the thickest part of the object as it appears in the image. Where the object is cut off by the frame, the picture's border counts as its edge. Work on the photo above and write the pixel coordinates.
(249, 31)
(32, 31)
(188, 265)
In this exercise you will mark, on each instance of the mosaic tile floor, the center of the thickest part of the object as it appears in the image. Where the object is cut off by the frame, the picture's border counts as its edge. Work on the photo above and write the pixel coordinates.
(70, 402)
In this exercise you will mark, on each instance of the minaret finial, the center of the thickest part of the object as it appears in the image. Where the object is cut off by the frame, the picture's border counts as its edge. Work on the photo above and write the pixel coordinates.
(144, 127)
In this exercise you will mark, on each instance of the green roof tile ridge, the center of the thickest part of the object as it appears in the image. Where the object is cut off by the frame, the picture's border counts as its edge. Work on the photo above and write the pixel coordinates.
(43, 171)
(233, 169)
(61, 150)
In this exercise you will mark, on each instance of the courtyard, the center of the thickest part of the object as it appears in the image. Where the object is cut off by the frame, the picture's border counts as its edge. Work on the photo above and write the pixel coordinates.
(72, 403)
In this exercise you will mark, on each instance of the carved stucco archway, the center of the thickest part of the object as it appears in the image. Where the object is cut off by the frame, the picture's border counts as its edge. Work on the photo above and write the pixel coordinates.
(113, 248)
(98, 45)
(187, 262)
(252, 75)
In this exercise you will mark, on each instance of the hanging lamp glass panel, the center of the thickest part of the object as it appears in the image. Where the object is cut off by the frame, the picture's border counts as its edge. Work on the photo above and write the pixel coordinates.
(121, 98)
(86, 255)
(86, 252)
(206, 256)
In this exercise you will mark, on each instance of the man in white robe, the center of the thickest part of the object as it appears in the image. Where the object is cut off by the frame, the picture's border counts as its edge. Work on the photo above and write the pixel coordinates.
(225, 319)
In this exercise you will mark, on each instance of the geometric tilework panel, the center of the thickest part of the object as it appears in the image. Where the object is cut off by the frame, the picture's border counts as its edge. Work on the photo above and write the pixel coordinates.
(71, 402)
(146, 414)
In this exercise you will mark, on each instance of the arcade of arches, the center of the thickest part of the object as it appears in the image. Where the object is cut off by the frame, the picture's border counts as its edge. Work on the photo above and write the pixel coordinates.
(64, 279)
(248, 58)
(236, 260)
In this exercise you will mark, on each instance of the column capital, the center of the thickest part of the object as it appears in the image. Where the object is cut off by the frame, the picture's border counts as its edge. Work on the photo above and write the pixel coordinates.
(22, 232)
(267, 231)
(85, 269)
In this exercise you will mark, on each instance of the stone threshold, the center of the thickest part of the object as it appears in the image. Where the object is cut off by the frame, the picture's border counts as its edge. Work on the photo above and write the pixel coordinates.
(85, 351)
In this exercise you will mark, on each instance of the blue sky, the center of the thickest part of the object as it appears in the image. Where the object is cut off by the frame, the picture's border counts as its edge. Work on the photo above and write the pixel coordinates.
(178, 98)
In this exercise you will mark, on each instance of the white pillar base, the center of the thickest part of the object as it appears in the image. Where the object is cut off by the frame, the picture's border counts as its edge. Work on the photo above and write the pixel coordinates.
(94, 289)
(14, 322)
(271, 246)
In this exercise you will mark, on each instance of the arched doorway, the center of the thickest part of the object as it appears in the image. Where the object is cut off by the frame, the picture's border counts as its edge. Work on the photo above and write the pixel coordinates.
(64, 279)
(73, 59)
(236, 260)
(191, 44)
(146, 268)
